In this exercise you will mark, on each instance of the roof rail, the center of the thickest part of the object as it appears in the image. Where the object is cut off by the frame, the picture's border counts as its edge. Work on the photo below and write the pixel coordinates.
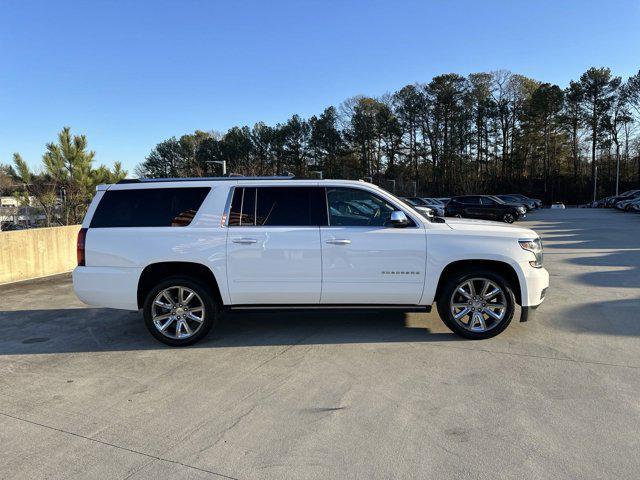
(201, 179)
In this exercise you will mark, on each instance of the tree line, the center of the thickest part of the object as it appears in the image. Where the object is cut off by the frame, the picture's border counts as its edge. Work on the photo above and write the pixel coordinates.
(63, 188)
(487, 132)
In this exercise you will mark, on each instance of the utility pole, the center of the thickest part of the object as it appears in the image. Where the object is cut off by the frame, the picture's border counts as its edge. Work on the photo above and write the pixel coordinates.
(595, 184)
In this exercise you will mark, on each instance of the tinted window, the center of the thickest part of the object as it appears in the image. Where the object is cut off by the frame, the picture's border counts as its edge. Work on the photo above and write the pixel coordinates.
(487, 201)
(243, 207)
(469, 200)
(278, 206)
(352, 207)
(153, 207)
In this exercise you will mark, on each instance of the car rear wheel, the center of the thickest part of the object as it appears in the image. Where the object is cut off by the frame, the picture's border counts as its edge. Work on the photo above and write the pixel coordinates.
(179, 311)
(509, 218)
(476, 305)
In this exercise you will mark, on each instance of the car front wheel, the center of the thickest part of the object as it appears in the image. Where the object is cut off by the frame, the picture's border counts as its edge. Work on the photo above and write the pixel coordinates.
(476, 305)
(179, 311)
(509, 218)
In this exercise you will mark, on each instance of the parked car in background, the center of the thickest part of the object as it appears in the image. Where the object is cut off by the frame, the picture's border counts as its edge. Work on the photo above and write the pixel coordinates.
(621, 204)
(528, 203)
(10, 227)
(611, 201)
(558, 205)
(484, 207)
(443, 200)
(182, 250)
(422, 209)
(635, 207)
(629, 205)
(536, 201)
(436, 206)
(595, 204)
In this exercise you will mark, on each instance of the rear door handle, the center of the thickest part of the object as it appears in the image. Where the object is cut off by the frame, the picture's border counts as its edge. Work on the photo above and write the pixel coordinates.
(339, 241)
(244, 241)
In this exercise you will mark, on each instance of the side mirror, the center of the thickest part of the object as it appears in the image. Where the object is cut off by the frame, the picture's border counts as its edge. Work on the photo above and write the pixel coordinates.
(399, 219)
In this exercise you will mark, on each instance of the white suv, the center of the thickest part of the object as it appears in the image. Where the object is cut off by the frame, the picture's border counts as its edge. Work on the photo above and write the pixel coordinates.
(183, 249)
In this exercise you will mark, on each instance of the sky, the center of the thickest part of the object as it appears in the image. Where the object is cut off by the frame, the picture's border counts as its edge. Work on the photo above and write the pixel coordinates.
(130, 74)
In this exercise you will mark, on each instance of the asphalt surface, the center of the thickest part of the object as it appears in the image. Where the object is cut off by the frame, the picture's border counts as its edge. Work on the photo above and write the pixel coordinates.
(88, 393)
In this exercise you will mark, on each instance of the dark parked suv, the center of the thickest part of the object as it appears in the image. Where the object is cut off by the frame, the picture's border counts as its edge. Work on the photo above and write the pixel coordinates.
(484, 207)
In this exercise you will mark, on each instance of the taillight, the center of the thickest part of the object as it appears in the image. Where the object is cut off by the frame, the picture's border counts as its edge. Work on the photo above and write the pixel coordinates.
(82, 237)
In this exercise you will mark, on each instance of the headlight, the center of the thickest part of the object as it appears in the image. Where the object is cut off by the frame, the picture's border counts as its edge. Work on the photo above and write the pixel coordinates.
(522, 209)
(534, 246)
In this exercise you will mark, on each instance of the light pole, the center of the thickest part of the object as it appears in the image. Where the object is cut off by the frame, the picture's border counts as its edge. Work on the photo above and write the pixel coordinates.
(220, 162)
(595, 184)
(617, 173)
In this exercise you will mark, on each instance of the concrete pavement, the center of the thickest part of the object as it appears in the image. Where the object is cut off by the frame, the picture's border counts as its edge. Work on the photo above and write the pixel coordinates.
(88, 393)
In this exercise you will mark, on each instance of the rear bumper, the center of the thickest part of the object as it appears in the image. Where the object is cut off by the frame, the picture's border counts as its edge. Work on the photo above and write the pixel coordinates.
(112, 287)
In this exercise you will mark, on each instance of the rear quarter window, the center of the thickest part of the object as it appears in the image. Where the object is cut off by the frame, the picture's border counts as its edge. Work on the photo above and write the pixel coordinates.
(152, 207)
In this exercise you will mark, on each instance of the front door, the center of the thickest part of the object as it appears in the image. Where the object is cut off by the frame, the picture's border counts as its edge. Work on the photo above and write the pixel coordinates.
(273, 245)
(365, 260)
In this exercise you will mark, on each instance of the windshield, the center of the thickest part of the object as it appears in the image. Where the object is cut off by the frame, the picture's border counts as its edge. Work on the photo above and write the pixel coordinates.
(493, 197)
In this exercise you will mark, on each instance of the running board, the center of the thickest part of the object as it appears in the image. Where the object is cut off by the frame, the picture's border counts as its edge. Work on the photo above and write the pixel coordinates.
(411, 308)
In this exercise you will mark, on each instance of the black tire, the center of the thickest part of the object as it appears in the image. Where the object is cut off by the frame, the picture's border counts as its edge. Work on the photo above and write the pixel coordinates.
(508, 218)
(457, 215)
(446, 294)
(210, 310)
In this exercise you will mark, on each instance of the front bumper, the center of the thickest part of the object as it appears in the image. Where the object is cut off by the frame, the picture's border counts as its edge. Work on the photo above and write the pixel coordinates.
(536, 285)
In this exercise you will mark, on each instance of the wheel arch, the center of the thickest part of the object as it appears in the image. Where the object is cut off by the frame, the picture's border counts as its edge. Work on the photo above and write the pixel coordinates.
(156, 272)
(503, 268)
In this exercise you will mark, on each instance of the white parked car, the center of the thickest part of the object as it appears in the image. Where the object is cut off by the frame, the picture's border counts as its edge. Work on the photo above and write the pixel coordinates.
(182, 250)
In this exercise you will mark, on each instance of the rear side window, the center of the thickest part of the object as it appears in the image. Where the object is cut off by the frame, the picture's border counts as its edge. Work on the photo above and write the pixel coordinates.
(153, 207)
(487, 201)
(278, 207)
(469, 200)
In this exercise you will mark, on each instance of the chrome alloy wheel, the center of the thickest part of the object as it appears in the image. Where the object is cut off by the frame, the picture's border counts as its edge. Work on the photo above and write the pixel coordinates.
(478, 305)
(177, 312)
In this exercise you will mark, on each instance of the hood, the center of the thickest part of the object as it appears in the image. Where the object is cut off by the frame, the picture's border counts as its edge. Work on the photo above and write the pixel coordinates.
(487, 226)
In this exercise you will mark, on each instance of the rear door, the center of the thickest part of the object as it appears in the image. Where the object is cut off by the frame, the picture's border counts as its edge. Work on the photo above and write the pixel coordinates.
(365, 260)
(273, 245)
(471, 206)
(489, 208)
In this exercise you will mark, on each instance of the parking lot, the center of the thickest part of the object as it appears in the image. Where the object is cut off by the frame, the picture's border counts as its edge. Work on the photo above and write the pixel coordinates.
(88, 393)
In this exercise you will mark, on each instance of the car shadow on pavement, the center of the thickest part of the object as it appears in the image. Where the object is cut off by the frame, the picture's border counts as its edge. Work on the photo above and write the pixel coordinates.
(101, 329)
(588, 229)
(615, 317)
(618, 269)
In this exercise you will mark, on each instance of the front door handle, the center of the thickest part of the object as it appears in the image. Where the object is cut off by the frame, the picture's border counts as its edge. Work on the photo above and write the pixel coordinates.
(339, 241)
(244, 240)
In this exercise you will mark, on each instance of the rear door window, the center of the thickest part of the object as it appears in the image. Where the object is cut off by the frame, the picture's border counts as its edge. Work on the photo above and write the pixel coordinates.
(149, 207)
(278, 207)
